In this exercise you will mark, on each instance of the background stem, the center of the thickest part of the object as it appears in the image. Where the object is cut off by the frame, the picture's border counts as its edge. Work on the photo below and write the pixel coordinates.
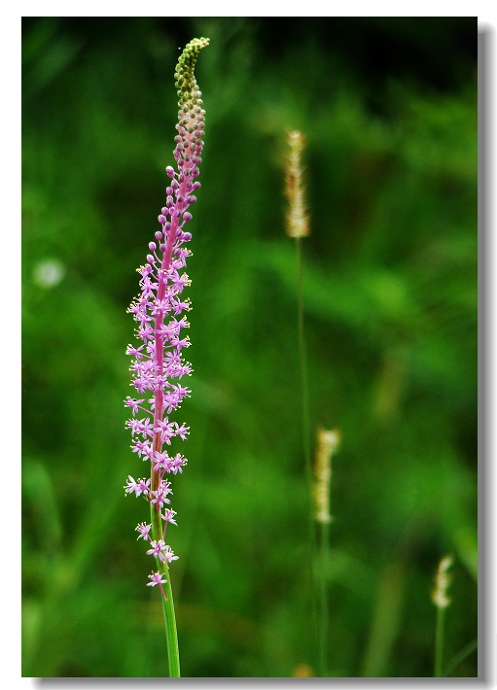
(306, 440)
(439, 641)
(323, 599)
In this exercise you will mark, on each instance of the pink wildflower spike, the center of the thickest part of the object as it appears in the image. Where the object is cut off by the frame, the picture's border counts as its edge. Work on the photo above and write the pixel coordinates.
(159, 312)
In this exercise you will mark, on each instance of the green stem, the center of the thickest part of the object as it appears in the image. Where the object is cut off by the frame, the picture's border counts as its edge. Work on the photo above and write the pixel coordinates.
(171, 631)
(167, 604)
(303, 368)
(306, 432)
(439, 641)
(323, 636)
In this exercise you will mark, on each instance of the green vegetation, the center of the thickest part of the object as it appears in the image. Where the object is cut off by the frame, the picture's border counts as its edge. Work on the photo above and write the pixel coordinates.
(388, 107)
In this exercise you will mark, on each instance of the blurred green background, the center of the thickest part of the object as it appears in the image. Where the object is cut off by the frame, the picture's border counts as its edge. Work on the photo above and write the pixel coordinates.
(389, 108)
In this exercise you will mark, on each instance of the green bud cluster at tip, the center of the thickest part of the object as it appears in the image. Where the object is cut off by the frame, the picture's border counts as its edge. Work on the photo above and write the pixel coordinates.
(184, 75)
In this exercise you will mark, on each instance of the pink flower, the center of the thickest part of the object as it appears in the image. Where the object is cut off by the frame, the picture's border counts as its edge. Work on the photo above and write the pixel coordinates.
(157, 579)
(143, 530)
(140, 487)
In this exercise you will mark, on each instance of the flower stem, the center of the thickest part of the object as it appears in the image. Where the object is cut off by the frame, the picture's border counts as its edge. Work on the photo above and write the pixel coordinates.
(171, 631)
(167, 604)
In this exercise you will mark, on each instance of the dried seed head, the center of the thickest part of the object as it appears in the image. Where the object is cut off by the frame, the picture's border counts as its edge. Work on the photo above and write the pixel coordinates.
(442, 582)
(297, 220)
(327, 445)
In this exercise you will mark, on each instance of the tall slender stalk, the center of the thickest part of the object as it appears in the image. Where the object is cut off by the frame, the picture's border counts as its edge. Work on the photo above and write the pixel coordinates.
(159, 362)
(314, 566)
(297, 227)
(304, 382)
(318, 483)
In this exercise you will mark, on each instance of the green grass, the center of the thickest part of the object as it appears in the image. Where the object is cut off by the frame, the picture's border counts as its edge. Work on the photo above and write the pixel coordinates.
(390, 292)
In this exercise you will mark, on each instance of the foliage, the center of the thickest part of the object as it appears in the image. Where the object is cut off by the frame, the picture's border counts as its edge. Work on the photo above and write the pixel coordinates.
(388, 107)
